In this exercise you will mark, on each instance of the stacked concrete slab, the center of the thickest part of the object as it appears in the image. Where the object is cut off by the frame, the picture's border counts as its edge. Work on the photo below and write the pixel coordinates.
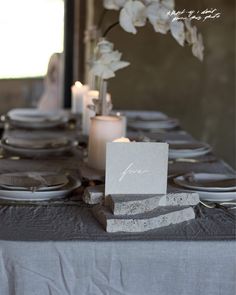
(140, 213)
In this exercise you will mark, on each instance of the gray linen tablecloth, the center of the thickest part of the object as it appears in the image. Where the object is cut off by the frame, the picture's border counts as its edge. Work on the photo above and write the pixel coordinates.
(117, 268)
(58, 248)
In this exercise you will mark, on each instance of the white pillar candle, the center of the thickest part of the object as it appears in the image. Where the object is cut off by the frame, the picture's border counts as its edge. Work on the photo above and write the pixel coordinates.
(103, 129)
(78, 91)
(87, 113)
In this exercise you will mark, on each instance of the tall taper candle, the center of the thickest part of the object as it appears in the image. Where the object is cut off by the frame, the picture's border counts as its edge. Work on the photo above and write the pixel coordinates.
(124, 122)
(78, 91)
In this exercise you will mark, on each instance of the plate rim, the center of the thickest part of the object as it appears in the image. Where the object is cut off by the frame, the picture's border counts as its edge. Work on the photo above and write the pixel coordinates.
(58, 194)
(216, 190)
(19, 113)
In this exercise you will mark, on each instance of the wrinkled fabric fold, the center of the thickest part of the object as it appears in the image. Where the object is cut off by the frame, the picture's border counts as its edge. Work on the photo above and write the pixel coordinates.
(117, 268)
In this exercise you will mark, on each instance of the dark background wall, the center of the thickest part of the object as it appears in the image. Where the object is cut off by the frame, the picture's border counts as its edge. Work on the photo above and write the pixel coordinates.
(164, 76)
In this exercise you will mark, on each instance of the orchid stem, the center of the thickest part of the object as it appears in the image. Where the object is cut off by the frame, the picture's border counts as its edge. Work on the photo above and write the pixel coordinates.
(109, 29)
(103, 96)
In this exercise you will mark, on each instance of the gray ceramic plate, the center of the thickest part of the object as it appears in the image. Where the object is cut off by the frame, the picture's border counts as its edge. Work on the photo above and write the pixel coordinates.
(19, 195)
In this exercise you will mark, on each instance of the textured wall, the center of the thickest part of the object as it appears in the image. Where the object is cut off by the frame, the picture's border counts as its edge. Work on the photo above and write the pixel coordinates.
(163, 76)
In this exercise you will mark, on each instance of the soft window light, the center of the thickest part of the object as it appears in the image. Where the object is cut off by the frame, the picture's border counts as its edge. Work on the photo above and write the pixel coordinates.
(31, 31)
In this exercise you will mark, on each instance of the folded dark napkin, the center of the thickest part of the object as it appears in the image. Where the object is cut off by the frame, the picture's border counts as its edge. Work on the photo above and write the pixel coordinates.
(221, 183)
(36, 143)
(188, 146)
(225, 182)
(32, 179)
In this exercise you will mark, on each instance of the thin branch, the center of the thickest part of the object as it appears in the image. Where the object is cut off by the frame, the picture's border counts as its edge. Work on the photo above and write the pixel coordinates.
(109, 28)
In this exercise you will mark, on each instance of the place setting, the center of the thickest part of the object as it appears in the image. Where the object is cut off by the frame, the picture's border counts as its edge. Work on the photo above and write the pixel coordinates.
(182, 151)
(33, 146)
(212, 187)
(189, 152)
(31, 118)
(37, 186)
(152, 123)
(32, 133)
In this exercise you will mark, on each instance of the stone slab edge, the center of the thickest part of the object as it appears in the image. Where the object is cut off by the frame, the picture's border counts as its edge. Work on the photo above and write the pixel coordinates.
(143, 222)
(135, 204)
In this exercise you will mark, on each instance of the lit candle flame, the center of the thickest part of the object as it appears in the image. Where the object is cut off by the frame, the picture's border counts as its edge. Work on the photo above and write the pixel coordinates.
(122, 139)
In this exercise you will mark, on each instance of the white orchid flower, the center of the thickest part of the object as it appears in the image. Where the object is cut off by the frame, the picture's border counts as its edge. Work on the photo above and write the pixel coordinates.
(132, 15)
(169, 4)
(107, 61)
(194, 39)
(114, 4)
(177, 31)
(191, 32)
(104, 46)
(108, 64)
(198, 48)
(118, 4)
(148, 2)
(158, 17)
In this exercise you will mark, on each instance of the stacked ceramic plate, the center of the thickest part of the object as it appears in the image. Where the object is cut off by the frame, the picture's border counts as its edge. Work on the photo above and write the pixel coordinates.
(148, 120)
(36, 186)
(210, 186)
(36, 144)
(180, 149)
(36, 119)
(154, 125)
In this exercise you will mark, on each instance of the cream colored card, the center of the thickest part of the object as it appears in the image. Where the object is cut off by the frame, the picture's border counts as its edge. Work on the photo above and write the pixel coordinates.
(136, 168)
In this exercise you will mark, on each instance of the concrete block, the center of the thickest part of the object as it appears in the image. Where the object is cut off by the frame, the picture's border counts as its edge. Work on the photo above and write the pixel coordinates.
(94, 194)
(155, 219)
(138, 204)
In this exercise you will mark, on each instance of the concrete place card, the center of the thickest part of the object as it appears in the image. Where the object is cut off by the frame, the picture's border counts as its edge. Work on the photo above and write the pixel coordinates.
(136, 168)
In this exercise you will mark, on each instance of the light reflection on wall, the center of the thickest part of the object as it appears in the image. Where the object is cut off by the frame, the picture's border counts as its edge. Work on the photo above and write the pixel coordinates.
(30, 32)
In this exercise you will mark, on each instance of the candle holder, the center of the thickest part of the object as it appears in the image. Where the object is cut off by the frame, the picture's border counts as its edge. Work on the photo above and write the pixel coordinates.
(103, 129)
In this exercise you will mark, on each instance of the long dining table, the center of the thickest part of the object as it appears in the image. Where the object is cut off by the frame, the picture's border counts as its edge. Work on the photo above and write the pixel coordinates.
(58, 247)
